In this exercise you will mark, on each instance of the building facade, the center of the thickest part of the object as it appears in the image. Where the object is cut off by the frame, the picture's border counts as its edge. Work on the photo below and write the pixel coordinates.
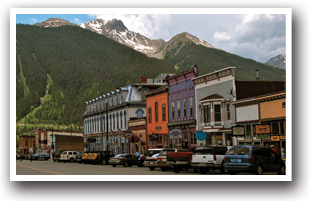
(157, 118)
(215, 116)
(182, 108)
(106, 117)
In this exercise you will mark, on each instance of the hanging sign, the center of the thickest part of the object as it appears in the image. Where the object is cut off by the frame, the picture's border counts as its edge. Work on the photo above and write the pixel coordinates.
(175, 133)
(238, 130)
(201, 135)
(262, 129)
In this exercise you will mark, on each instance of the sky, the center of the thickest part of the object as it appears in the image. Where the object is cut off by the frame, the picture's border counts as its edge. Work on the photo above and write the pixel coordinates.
(258, 37)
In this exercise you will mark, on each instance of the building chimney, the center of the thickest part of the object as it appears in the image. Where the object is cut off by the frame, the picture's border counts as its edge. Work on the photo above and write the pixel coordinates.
(257, 74)
(143, 79)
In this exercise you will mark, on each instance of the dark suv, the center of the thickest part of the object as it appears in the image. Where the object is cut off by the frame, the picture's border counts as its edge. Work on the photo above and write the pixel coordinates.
(102, 157)
(255, 159)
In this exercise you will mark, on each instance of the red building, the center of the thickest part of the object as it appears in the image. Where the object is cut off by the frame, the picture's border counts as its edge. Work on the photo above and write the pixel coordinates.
(157, 118)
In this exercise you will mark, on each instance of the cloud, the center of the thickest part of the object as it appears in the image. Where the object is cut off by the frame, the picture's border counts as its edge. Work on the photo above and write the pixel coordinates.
(221, 36)
(151, 26)
(33, 20)
(253, 36)
(77, 21)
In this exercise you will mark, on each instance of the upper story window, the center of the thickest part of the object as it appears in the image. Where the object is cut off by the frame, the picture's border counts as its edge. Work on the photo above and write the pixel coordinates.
(228, 115)
(179, 108)
(156, 111)
(172, 110)
(184, 107)
(191, 109)
(163, 112)
(212, 114)
(150, 114)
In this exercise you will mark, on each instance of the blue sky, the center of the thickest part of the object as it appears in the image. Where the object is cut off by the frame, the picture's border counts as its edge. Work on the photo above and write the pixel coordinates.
(253, 36)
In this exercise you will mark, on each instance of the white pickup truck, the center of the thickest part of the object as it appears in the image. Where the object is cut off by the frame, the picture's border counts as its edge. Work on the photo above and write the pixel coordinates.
(208, 157)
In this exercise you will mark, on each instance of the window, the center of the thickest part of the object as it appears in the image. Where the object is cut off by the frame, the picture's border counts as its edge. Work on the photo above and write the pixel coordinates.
(217, 113)
(164, 112)
(125, 119)
(172, 109)
(121, 117)
(248, 130)
(191, 112)
(179, 108)
(184, 107)
(228, 117)
(26, 142)
(150, 114)
(207, 113)
(156, 111)
(275, 128)
(282, 127)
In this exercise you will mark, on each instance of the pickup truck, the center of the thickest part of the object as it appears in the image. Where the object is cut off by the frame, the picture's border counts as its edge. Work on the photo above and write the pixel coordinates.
(180, 160)
(209, 157)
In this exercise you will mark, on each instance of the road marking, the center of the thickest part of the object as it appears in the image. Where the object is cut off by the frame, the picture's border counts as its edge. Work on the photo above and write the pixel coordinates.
(41, 170)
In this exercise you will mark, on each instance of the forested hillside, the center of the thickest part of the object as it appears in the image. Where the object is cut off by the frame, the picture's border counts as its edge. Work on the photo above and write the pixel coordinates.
(68, 66)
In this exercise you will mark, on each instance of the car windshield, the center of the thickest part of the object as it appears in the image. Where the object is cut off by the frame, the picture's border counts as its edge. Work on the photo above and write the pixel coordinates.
(156, 155)
(152, 152)
(238, 151)
(205, 151)
(120, 156)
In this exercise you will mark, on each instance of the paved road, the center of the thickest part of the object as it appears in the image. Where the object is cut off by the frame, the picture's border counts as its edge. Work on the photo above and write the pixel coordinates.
(26, 167)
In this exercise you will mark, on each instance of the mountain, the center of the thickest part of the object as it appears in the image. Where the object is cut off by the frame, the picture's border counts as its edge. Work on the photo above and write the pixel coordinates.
(59, 68)
(55, 22)
(277, 61)
(116, 30)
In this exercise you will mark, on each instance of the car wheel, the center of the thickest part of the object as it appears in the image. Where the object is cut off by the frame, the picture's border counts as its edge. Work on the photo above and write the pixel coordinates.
(281, 170)
(204, 170)
(71, 160)
(231, 172)
(114, 165)
(222, 169)
(152, 168)
(176, 170)
(164, 169)
(195, 170)
(259, 170)
(126, 164)
(103, 162)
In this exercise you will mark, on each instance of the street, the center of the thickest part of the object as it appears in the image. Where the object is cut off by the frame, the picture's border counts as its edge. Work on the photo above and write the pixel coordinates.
(27, 167)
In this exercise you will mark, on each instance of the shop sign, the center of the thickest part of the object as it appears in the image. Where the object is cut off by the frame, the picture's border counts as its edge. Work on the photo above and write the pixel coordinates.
(275, 138)
(116, 143)
(238, 130)
(201, 135)
(261, 129)
(283, 137)
(219, 137)
(248, 139)
(175, 133)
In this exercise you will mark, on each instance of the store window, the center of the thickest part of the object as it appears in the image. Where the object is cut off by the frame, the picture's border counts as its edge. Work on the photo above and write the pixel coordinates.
(282, 127)
(275, 128)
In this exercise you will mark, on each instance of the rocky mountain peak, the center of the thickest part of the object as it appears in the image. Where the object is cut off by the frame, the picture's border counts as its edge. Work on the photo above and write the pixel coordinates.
(55, 22)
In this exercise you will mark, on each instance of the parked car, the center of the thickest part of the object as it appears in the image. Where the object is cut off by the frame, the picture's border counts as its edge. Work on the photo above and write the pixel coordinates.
(79, 156)
(127, 160)
(44, 157)
(255, 159)
(208, 157)
(68, 156)
(101, 157)
(35, 156)
(180, 160)
(151, 161)
(56, 155)
(162, 162)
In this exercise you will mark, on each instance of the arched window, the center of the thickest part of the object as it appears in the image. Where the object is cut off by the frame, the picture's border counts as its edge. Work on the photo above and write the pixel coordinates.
(139, 113)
